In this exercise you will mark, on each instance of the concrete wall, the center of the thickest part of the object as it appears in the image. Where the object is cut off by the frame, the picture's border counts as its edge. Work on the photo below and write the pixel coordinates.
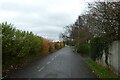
(0, 55)
(113, 58)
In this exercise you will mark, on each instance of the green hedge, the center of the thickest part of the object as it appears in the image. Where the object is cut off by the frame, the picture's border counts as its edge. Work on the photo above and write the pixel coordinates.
(22, 47)
(98, 44)
(17, 45)
(83, 48)
(101, 71)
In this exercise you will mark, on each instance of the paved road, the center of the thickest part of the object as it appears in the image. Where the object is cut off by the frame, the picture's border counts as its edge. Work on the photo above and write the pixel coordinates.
(61, 64)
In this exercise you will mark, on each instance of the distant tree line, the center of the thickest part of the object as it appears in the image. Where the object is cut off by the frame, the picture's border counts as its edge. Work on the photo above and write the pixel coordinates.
(95, 30)
(22, 47)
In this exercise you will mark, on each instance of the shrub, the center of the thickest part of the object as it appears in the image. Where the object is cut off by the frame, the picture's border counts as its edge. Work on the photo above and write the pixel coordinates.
(62, 44)
(98, 44)
(45, 47)
(83, 48)
(51, 46)
(56, 45)
(20, 47)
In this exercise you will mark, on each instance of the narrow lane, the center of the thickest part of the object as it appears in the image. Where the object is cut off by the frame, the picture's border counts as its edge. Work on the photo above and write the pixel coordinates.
(61, 64)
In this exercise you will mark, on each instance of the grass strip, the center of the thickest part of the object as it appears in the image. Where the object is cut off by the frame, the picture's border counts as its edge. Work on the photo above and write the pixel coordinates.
(100, 71)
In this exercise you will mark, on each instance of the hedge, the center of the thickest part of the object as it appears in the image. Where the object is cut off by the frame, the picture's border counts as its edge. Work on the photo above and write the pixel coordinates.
(21, 47)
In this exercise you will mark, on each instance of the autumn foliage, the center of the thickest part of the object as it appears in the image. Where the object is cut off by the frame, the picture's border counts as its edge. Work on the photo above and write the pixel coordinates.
(45, 47)
(50, 46)
(22, 47)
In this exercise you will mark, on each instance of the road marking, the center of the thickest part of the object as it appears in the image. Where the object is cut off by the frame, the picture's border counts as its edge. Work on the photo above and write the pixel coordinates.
(55, 56)
(38, 67)
(41, 69)
(48, 62)
(52, 58)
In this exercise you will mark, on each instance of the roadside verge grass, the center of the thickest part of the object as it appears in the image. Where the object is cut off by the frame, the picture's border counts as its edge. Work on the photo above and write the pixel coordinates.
(100, 71)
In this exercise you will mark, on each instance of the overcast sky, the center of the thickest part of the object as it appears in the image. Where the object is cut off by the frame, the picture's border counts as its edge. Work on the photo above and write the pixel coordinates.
(43, 17)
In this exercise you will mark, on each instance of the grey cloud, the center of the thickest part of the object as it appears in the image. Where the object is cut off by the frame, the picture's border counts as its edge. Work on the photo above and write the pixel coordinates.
(48, 30)
(11, 6)
(58, 20)
(50, 34)
(38, 18)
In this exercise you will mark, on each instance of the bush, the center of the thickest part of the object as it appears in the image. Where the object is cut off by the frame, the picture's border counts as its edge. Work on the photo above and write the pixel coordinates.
(20, 47)
(45, 47)
(51, 47)
(98, 44)
(57, 46)
(62, 44)
(83, 48)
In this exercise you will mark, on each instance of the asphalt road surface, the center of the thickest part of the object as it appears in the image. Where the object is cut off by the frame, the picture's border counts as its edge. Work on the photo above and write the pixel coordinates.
(61, 64)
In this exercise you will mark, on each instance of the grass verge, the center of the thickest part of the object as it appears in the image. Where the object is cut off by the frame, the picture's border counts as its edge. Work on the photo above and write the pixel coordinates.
(100, 71)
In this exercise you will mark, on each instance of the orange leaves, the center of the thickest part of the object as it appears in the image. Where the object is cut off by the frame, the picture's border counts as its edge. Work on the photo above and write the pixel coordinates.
(49, 46)
(62, 44)
(45, 47)
(22, 47)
